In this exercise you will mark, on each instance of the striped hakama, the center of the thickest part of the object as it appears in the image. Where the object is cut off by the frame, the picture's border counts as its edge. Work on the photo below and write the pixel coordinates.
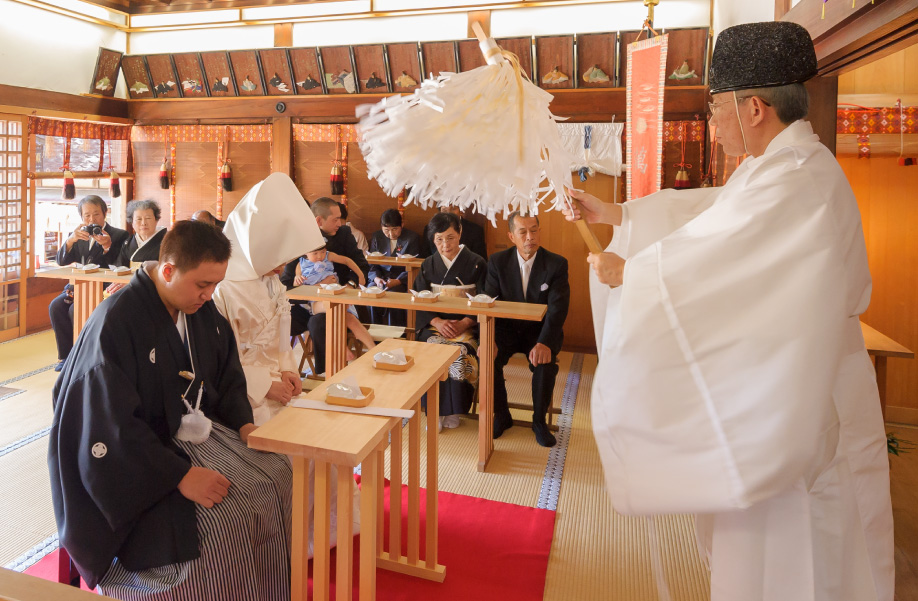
(245, 539)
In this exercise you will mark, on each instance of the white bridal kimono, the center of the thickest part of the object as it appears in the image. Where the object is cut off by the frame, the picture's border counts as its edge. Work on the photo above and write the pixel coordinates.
(733, 382)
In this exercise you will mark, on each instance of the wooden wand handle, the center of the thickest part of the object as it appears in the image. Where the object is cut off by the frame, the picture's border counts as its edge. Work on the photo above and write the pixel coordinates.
(587, 234)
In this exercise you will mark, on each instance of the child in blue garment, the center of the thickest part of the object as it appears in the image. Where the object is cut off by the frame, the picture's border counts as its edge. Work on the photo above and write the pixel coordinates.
(315, 269)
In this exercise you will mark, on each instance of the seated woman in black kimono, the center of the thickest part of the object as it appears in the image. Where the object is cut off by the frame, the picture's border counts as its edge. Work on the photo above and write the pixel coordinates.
(452, 264)
(143, 215)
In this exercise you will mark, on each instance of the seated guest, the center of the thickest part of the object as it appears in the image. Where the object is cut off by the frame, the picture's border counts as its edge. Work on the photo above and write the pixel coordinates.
(268, 227)
(452, 265)
(317, 268)
(143, 215)
(208, 218)
(392, 240)
(156, 494)
(473, 236)
(92, 242)
(528, 273)
(340, 241)
(359, 236)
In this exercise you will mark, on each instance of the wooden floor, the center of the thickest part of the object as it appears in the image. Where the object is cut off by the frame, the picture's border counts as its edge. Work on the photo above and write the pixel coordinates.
(904, 483)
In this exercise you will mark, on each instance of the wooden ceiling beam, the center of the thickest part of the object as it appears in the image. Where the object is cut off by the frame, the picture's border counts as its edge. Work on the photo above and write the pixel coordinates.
(29, 101)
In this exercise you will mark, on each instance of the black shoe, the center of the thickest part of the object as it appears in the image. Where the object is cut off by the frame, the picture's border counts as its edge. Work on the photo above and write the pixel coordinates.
(59, 366)
(502, 421)
(543, 435)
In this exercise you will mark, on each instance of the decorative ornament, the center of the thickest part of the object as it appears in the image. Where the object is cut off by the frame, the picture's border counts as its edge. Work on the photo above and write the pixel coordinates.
(375, 82)
(226, 176)
(683, 72)
(164, 174)
(309, 83)
(164, 87)
(405, 81)
(221, 84)
(337, 173)
(104, 84)
(139, 88)
(595, 75)
(248, 85)
(192, 85)
(682, 176)
(345, 80)
(431, 141)
(279, 83)
(554, 76)
(114, 185)
(69, 191)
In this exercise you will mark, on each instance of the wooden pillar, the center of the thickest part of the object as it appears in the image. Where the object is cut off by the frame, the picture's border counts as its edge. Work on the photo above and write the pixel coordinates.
(823, 108)
(283, 35)
(282, 146)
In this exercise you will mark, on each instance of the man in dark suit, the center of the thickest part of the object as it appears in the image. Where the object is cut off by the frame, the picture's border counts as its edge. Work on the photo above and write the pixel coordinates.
(473, 236)
(392, 240)
(208, 218)
(101, 247)
(530, 274)
(340, 240)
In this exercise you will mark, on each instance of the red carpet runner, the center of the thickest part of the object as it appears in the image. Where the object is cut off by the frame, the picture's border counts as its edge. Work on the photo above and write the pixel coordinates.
(491, 550)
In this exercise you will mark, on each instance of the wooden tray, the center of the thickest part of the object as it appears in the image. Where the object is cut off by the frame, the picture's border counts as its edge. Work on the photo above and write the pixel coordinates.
(365, 294)
(337, 400)
(121, 272)
(480, 305)
(85, 271)
(328, 292)
(390, 367)
(420, 299)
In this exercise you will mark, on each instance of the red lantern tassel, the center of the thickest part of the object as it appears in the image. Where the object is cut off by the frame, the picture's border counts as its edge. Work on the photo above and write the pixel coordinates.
(164, 175)
(682, 179)
(114, 185)
(226, 177)
(69, 191)
(337, 179)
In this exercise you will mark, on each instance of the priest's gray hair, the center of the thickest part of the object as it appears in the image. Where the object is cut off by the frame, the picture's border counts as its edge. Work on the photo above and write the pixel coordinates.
(791, 102)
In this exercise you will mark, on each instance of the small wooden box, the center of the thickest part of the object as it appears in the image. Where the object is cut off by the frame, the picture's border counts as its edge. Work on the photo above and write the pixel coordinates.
(127, 271)
(337, 400)
(85, 271)
(366, 294)
(331, 292)
(480, 305)
(409, 363)
(424, 299)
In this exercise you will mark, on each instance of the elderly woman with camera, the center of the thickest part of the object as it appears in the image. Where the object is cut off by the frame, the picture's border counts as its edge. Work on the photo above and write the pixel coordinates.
(92, 242)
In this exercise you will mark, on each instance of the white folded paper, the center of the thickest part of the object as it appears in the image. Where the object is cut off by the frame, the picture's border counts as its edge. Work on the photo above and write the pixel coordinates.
(86, 267)
(424, 294)
(371, 289)
(371, 410)
(120, 269)
(393, 357)
(375, 253)
(481, 298)
(346, 388)
(406, 256)
(331, 286)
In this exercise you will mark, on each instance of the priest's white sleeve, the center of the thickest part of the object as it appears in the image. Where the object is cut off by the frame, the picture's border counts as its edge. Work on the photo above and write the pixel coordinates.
(714, 389)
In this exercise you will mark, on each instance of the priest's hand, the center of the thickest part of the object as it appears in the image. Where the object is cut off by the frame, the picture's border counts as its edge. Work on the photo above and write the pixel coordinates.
(203, 486)
(281, 392)
(293, 379)
(592, 210)
(539, 354)
(244, 432)
(609, 268)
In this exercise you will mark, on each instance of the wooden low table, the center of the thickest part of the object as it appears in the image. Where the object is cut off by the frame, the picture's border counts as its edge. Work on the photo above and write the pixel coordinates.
(87, 290)
(336, 338)
(412, 267)
(881, 347)
(346, 440)
(15, 586)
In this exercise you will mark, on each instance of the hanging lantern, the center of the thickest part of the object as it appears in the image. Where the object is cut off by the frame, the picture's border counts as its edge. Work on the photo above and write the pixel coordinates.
(226, 177)
(69, 191)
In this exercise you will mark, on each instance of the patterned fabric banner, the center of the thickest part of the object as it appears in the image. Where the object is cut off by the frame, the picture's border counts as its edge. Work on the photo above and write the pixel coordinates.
(323, 132)
(40, 126)
(881, 120)
(644, 129)
(672, 131)
(201, 133)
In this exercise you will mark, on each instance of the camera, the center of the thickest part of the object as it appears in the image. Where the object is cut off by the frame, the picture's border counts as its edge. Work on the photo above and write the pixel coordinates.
(92, 229)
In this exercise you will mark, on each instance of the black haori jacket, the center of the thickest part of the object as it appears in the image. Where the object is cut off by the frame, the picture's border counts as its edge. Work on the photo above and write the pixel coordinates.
(117, 405)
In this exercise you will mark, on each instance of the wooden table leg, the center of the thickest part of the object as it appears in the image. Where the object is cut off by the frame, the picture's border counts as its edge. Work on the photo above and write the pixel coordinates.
(880, 366)
(344, 558)
(414, 488)
(335, 338)
(86, 296)
(486, 353)
(395, 493)
(299, 555)
(370, 492)
(321, 547)
(412, 318)
(432, 481)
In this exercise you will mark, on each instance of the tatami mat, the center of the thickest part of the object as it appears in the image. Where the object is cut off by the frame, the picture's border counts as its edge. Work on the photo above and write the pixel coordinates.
(27, 354)
(598, 554)
(25, 500)
(29, 411)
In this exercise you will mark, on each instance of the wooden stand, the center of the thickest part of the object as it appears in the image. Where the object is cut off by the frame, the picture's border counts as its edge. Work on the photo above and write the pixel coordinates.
(480, 305)
(425, 299)
(347, 402)
(365, 294)
(331, 292)
(409, 362)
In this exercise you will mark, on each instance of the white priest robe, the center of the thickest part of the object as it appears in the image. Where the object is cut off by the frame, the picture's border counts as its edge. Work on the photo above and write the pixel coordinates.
(733, 382)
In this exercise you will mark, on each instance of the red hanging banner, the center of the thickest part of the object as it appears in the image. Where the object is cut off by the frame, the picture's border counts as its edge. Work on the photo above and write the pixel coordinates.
(644, 128)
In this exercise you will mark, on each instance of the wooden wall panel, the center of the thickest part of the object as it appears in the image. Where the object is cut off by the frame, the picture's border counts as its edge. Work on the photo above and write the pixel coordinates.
(886, 196)
(686, 56)
(136, 77)
(162, 73)
(190, 74)
(247, 73)
(555, 60)
(624, 38)
(306, 70)
(522, 48)
(439, 57)
(275, 67)
(596, 50)
(404, 67)
(218, 73)
(372, 77)
(338, 70)
(470, 56)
